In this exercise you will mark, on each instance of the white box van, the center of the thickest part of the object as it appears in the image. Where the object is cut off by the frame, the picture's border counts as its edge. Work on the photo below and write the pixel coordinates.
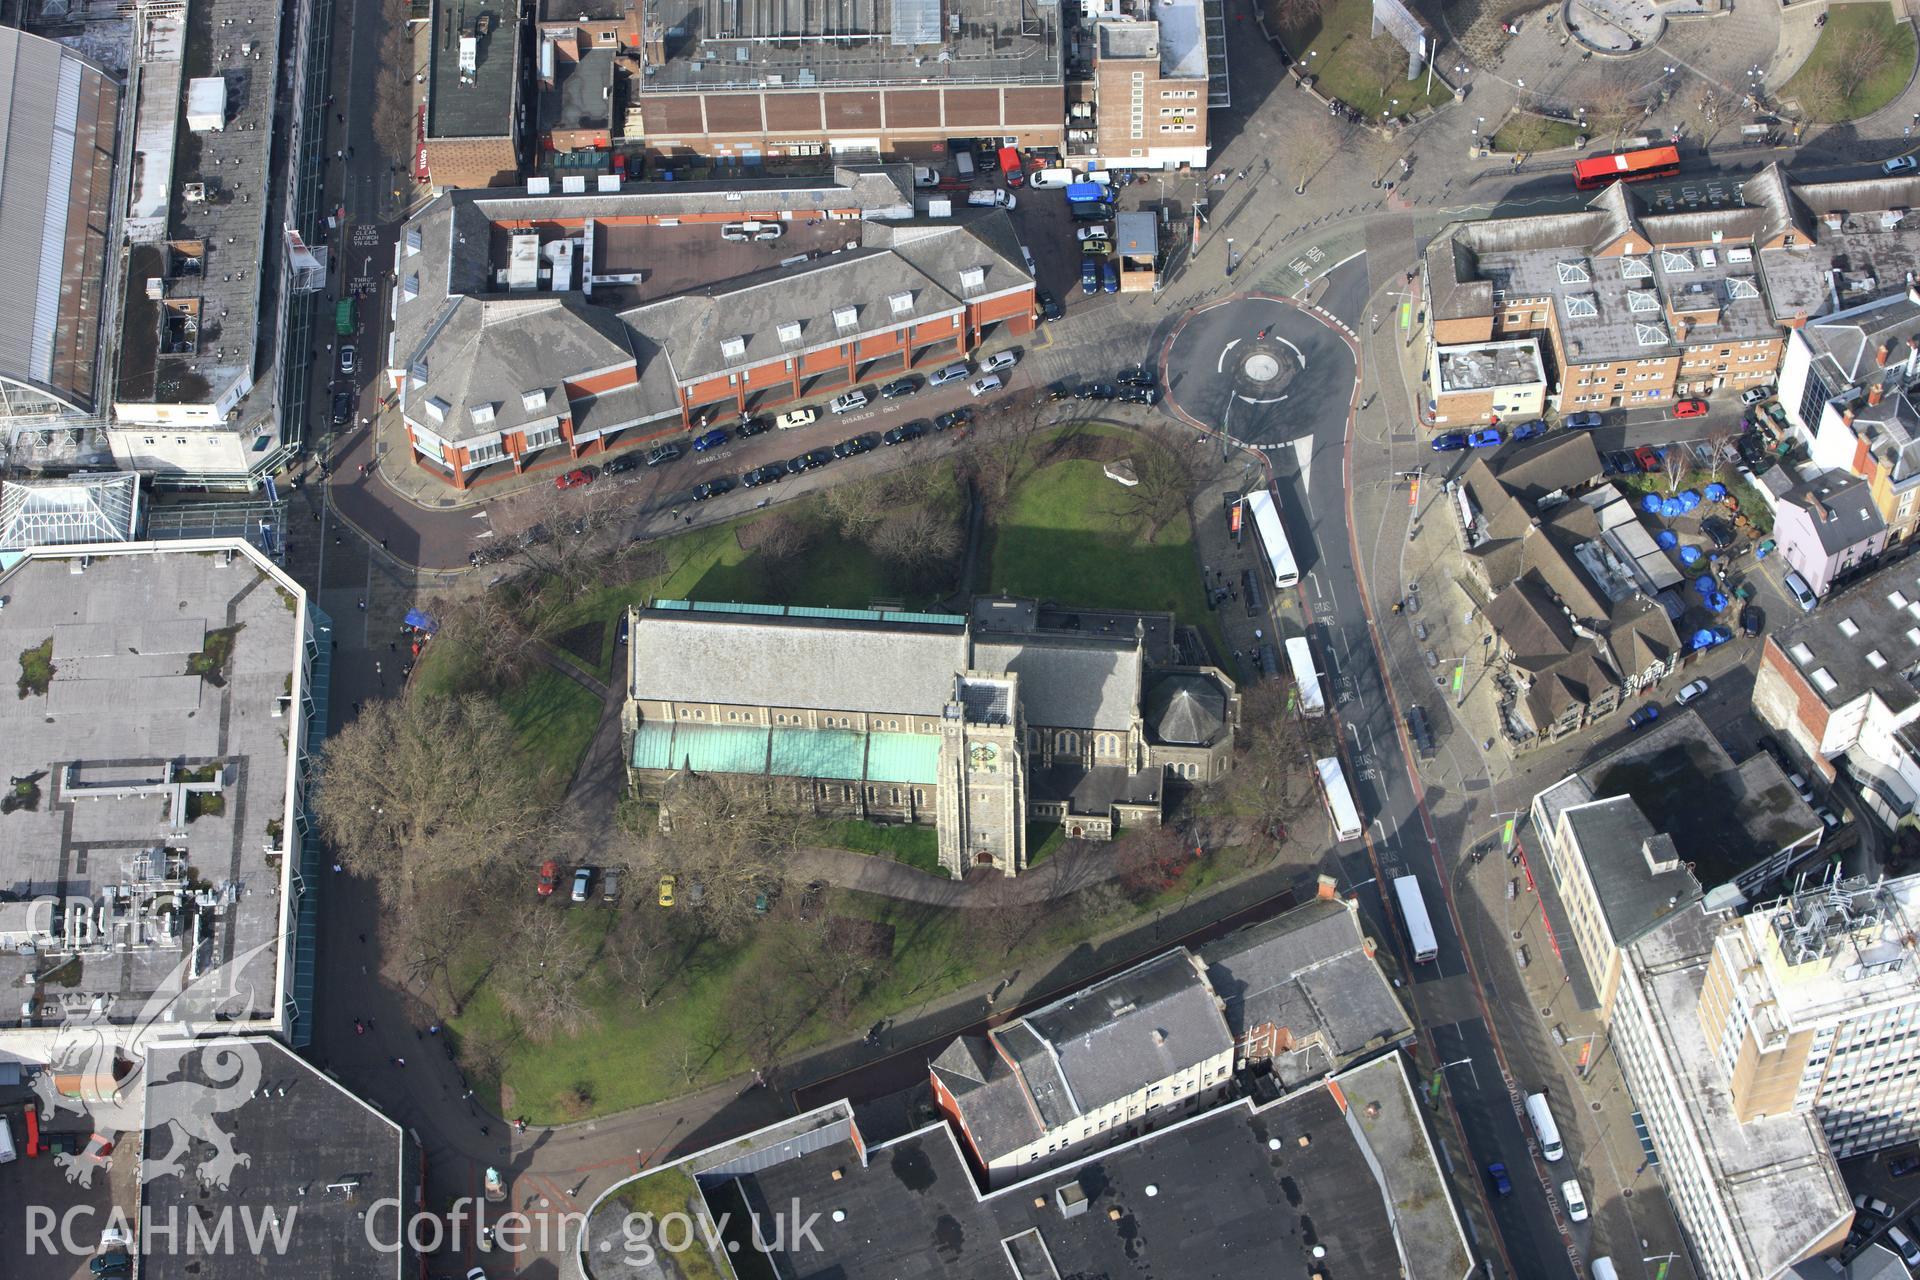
(1575, 1202)
(1544, 1128)
(1602, 1269)
(1045, 178)
(1005, 199)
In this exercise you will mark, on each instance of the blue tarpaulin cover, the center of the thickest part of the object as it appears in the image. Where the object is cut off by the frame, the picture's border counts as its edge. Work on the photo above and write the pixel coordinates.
(1650, 503)
(1687, 499)
(1701, 640)
(421, 621)
(1716, 492)
(1704, 584)
(1667, 539)
(1689, 555)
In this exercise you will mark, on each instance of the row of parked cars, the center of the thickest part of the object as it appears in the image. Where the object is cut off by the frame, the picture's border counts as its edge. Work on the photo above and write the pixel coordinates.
(1138, 385)
(1493, 437)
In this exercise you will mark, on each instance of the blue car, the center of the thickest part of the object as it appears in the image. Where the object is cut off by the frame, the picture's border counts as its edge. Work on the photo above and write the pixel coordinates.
(1528, 430)
(1110, 276)
(1450, 441)
(1485, 438)
(1502, 1185)
(1089, 276)
(712, 440)
(1643, 717)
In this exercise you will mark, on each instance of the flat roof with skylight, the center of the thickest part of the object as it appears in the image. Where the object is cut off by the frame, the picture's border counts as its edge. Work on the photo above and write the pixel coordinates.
(1865, 639)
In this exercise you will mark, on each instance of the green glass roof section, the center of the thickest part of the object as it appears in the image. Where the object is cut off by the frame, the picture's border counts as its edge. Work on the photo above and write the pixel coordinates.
(708, 748)
(819, 753)
(903, 757)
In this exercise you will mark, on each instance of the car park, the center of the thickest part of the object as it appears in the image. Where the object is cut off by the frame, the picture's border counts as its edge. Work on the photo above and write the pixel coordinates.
(1903, 1164)
(342, 408)
(848, 401)
(711, 440)
(956, 418)
(1690, 408)
(1093, 233)
(997, 361)
(1497, 1175)
(981, 386)
(1139, 395)
(1872, 1205)
(712, 488)
(1575, 1202)
(1095, 391)
(582, 882)
(796, 418)
(1648, 457)
(1754, 395)
(1752, 620)
(1096, 246)
(1089, 275)
(1485, 438)
(661, 454)
(1110, 276)
(1689, 692)
(573, 479)
(1049, 306)
(624, 463)
(899, 387)
(1449, 441)
(1903, 1245)
(1587, 421)
(549, 876)
(1643, 717)
(751, 427)
(948, 373)
(1530, 429)
(1797, 588)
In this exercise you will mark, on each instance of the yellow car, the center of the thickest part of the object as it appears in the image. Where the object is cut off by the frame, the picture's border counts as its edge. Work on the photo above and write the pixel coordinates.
(666, 891)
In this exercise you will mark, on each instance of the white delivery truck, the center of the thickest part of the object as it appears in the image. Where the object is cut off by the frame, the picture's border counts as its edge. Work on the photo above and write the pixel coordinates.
(1543, 1127)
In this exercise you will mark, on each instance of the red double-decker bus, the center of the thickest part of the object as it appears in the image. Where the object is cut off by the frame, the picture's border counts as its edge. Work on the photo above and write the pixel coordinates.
(1626, 166)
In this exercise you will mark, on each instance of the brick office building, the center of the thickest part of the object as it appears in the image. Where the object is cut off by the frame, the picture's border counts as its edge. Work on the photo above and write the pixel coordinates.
(533, 329)
(1150, 89)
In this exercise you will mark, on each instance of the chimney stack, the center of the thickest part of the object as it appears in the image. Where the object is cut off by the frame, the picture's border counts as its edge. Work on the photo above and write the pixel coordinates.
(1846, 415)
(1328, 889)
(1874, 393)
(1880, 356)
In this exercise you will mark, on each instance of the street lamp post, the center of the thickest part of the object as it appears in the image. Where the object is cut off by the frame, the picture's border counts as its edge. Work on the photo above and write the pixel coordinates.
(1232, 260)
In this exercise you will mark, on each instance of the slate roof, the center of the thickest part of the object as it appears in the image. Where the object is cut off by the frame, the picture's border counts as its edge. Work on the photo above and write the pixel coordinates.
(1577, 680)
(1311, 974)
(1067, 681)
(1559, 463)
(1841, 509)
(1611, 836)
(999, 1116)
(833, 665)
(1530, 624)
(1185, 709)
(1094, 790)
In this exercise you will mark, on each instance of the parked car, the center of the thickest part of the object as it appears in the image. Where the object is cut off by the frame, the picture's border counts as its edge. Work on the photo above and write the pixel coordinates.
(610, 885)
(1643, 717)
(1873, 1205)
(1137, 377)
(1752, 620)
(661, 454)
(1718, 531)
(848, 401)
(1826, 815)
(1588, 421)
(1485, 438)
(1005, 199)
(865, 442)
(948, 373)
(818, 457)
(956, 418)
(1049, 306)
(735, 232)
(1095, 232)
(1139, 395)
(1754, 395)
(619, 466)
(1026, 256)
(573, 479)
(342, 408)
(1091, 211)
(981, 386)
(667, 883)
(1097, 246)
(1448, 442)
(549, 876)
(1622, 462)
(796, 418)
(925, 177)
(1095, 391)
(997, 361)
(1576, 1203)
(1909, 1251)
(1690, 408)
(1530, 429)
(899, 387)
(1648, 457)
(582, 881)
(1903, 1164)
(757, 477)
(1110, 276)
(1497, 1175)
(750, 427)
(712, 488)
(1901, 164)
(1797, 588)
(1089, 275)
(711, 440)
(804, 462)
(347, 359)
(1688, 692)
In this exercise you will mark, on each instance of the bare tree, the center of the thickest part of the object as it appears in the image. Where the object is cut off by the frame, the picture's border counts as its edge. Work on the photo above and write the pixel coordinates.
(540, 974)
(494, 634)
(559, 542)
(418, 789)
(767, 1005)
(1003, 450)
(777, 542)
(1823, 94)
(1382, 62)
(1611, 109)
(727, 840)
(1715, 109)
(640, 950)
(430, 930)
(1720, 442)
(1862, 55)
(857, 507)
(1004, 915)
(832, 959)
(1273, 779)
(1297, 16)
(917, 538)
(1676, 466)
(1160, 498)
(1314, 138)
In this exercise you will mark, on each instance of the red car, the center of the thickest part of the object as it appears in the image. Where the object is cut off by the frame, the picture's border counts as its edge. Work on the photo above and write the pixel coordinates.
(573, 479)
(1690, 409)
(1649, 458)
(549, 877)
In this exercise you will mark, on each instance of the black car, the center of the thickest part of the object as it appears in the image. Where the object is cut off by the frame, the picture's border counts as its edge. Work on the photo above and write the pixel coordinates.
(958, 418)
(661, 454)
(1049, 305)
(1588, 421)
(1095, 391)
(754, 479)
(1752, 620)
(1056, 391)
(844, 449)
(1139, 395)
(804, 462)
(899, 387)
(342, 408)
(1718, 530)
(751, 427)
(1623, 463)
(712, 488)
(625, 462)
(819, 457)
(1137, 377)
(767, 474)
(865, 442)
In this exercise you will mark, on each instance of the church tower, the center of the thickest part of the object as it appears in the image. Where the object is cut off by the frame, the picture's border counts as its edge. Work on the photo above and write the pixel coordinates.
(983, 773)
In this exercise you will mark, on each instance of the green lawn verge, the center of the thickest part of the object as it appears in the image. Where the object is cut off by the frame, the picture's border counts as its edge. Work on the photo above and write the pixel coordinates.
(1522, 132)
(1822, 83)
(555, 718)
(1336, 47)
(917, 846)
(672, 1191)
(1043, 841)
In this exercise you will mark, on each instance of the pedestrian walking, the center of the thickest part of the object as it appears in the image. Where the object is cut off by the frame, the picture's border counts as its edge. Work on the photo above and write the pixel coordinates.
(399, 1062)
(363, 939)
(363, 605)
(434, 1030)
(484, 1130)
(336, 868)
(359, 1027)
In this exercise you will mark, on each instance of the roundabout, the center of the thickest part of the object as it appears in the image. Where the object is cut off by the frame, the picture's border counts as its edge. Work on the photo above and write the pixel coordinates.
(1262, 371)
